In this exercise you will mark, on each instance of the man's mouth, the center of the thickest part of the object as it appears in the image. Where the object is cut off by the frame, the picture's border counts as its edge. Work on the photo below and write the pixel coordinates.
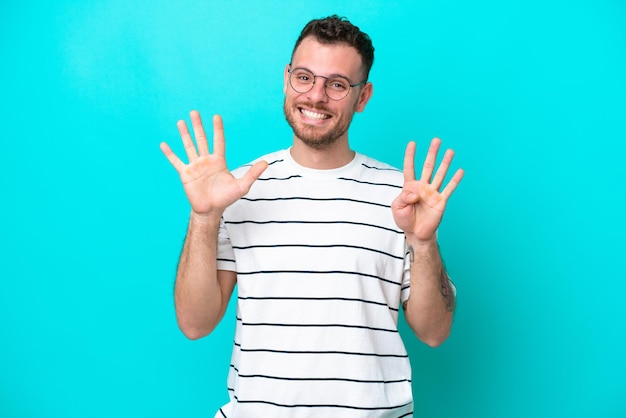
(314, 115)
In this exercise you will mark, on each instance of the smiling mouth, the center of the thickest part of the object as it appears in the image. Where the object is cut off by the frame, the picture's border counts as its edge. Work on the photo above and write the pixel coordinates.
(314, 115)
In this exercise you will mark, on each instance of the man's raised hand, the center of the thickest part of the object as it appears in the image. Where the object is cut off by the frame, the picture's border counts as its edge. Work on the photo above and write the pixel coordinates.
(419, 208)
(209, 186)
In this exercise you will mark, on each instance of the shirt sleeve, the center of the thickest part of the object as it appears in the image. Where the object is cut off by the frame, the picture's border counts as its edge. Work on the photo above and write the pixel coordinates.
(405, 291)
(225, 253)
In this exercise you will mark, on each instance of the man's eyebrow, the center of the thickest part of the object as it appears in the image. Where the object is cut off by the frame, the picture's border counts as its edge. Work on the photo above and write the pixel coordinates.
(328, 76)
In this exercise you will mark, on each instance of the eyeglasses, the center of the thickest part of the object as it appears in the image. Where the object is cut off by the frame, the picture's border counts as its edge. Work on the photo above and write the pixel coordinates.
(336, 87)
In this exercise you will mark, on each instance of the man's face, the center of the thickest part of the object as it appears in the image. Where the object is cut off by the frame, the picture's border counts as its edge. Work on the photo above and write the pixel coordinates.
(315, 119)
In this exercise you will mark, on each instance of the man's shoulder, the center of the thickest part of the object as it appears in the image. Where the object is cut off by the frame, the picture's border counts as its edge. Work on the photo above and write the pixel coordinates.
(376, 169)
(272, 159)
(377, 164)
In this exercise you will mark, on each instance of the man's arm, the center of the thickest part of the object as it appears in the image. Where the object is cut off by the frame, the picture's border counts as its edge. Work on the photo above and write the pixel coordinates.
(202, 292)
(430, 306)
(418, 211)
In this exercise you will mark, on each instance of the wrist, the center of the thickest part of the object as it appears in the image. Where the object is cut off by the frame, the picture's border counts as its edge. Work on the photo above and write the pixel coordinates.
(205, 219)
(420, 243)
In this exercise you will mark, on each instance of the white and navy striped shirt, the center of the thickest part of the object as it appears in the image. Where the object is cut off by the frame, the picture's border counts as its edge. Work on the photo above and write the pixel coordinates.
(321, 271)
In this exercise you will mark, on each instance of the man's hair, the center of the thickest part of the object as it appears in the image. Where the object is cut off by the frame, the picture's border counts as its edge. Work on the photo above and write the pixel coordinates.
(338, 30)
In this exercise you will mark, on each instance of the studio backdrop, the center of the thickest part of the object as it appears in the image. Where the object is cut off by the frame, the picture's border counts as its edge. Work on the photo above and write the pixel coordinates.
(530, 94)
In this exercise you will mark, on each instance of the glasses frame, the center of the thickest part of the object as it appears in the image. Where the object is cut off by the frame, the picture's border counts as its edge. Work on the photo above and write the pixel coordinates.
(291, 70)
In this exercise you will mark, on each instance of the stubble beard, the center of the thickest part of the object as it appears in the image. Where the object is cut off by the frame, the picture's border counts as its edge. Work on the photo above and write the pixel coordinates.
(311, 135)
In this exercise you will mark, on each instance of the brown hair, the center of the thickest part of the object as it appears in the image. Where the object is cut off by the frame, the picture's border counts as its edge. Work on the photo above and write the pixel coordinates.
(339, 30)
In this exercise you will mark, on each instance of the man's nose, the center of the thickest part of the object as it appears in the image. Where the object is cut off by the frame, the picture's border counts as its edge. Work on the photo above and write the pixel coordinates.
(318, 92)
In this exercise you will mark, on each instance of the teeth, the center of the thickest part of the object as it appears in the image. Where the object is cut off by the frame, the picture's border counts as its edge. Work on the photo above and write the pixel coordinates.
(314, 115)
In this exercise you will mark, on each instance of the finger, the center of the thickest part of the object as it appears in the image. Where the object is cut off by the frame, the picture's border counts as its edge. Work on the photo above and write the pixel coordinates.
(190, 148)
(198, 132)
(440, 175)
(245, 182)
(172, 158)
(431, 158)
(454, 182)
(409, 162)
(219, 144)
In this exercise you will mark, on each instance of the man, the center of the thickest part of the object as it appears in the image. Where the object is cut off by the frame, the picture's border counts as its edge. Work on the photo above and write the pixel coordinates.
(324, 244)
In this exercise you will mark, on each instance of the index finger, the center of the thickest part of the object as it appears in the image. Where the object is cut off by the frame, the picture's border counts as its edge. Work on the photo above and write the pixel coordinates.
(409, 162)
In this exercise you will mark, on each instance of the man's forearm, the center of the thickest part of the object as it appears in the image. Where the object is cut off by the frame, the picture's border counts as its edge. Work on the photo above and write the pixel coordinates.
(430, 306)
(199, 296)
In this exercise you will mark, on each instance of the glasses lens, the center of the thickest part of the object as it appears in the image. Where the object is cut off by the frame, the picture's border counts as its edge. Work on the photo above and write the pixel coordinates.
(337, 88)
(301, 80)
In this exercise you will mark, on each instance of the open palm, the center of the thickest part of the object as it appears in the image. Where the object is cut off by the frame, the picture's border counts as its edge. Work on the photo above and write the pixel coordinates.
(419, 208)
(208, 184)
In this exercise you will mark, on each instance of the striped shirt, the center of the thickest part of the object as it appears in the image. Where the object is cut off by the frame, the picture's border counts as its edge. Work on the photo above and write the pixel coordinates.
(321, 271)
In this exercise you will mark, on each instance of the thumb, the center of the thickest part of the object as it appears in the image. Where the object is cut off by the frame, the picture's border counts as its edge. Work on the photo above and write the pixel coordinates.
(245, 182)
(410, 197)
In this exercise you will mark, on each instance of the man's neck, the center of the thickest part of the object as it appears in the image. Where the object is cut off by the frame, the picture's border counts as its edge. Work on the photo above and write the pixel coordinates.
(333, 156)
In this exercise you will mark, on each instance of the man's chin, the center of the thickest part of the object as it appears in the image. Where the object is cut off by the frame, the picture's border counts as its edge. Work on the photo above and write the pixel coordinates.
(316, 140)
(317, 144)
(315, 137)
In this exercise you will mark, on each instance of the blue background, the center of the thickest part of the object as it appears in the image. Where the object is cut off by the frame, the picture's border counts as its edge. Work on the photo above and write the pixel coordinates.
(531, 95)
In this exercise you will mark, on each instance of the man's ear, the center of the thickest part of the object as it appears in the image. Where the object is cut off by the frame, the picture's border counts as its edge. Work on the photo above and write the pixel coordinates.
(286, 79)
(364, 97)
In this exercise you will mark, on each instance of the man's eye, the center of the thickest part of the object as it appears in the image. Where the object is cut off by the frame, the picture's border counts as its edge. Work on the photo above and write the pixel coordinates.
(337, 85)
